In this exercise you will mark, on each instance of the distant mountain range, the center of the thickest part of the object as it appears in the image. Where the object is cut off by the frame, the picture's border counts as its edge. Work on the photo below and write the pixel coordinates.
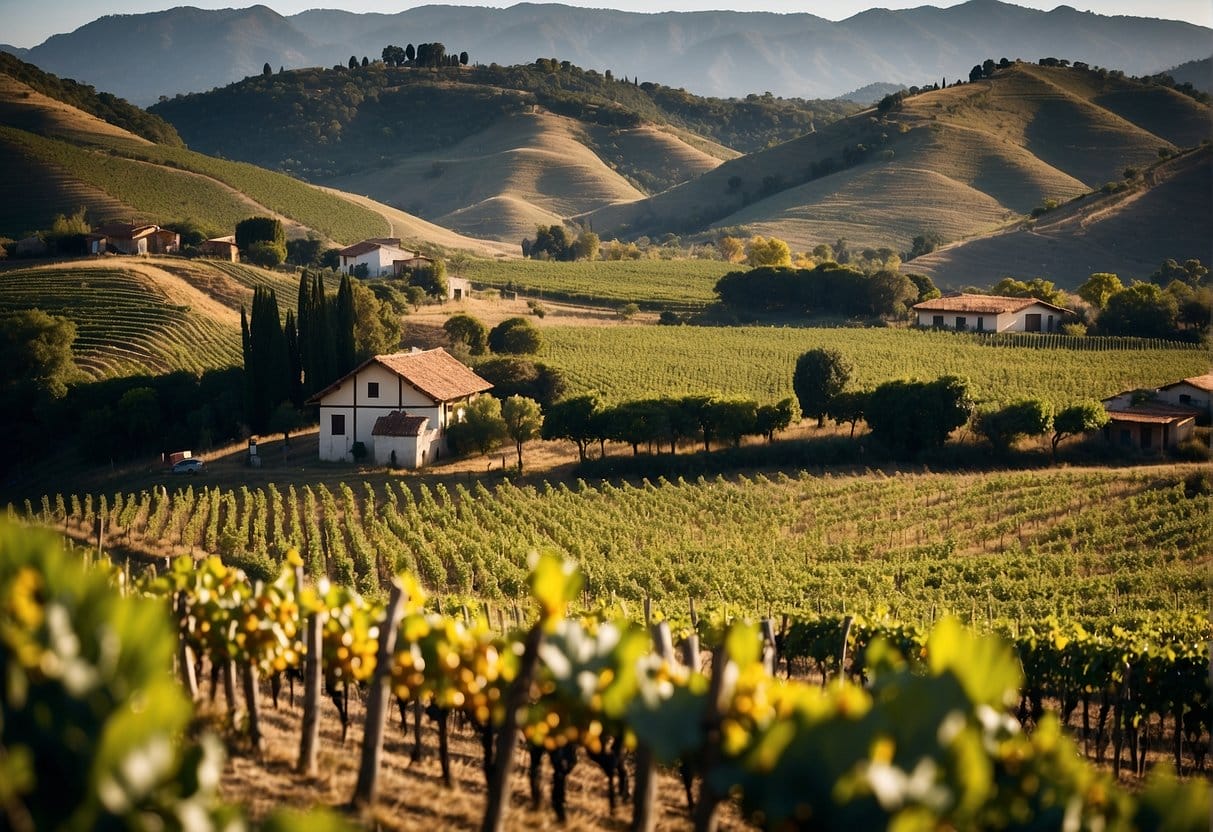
(142, 57)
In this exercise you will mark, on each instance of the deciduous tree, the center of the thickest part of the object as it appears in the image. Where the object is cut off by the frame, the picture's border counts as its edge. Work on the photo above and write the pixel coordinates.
(523, 421)
(820, 375)
(1081, 417)
(468, 331)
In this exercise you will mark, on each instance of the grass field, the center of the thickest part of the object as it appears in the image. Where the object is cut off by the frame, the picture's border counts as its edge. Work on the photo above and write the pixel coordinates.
(678, 283)
(635, 361)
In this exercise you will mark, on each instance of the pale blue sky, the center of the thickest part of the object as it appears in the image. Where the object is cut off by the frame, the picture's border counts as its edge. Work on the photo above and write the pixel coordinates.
(29, 22)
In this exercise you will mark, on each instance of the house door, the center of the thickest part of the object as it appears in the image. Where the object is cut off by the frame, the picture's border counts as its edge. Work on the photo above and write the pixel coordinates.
(1147, 436)
(1031, 323)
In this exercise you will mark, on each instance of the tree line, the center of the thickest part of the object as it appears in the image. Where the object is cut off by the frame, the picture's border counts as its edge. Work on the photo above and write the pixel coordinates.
(828, 288)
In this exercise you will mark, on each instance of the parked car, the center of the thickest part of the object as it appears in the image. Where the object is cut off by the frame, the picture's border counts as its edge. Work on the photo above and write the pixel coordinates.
(189, 466)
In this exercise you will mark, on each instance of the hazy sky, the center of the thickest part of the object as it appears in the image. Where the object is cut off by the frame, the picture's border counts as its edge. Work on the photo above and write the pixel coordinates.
(29, 22)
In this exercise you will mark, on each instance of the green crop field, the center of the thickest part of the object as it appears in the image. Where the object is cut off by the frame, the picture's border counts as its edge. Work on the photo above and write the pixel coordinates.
(332, 216)
(1069, 541)
(675, 283)
(170, 183)
(630, 362)
(125, 324)
(152, 190)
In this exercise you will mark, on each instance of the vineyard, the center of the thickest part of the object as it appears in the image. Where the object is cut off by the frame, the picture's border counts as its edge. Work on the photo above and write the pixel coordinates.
(672, 283)
(338, 219)
(633, 362)
(1090, 545)
(126, 323)
(159, 194)
(893, 724)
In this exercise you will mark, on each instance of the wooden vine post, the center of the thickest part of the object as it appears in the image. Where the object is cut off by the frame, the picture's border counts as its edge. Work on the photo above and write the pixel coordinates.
(309, 742)
(252, 701)
(185, 655)
(846, 639)
(377, 701)
(704, 815)
(503, 758)
(644, 816)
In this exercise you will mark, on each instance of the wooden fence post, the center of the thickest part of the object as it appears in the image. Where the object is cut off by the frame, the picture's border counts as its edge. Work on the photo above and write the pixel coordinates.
(704, 815)
(377, 703)
(309, 741)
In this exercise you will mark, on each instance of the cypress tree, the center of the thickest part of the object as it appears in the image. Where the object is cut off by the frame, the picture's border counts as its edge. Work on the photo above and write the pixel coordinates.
(321, 369)
(303, 307)
(267, 366)
(294, 364)
(343, 324)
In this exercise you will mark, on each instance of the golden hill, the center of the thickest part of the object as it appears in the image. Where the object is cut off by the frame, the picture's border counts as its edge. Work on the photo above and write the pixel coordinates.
(1129, 233)
(530, 168)
(955, 162)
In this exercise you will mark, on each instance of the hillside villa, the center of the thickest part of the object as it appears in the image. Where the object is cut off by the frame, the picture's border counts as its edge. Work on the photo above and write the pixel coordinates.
(127, 238)
(990, 313)
(382, 257)
(1161, 419)
(398, 406)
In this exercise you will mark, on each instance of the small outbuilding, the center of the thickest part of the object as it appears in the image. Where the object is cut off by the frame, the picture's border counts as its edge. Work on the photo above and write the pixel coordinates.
(990, 313)
(129, 238)
(400, 440)
(1144, 420)
(221, 248)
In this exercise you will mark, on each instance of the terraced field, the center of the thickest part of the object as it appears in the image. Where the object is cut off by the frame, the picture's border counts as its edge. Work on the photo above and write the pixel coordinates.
(130, 318)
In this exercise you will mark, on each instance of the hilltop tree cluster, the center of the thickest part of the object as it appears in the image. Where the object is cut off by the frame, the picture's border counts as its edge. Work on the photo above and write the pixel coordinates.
(829, 289)
(424, 55)
(553, 242)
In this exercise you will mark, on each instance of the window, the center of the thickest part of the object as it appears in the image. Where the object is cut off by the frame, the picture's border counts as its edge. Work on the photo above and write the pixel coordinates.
(372, 389)
(937, 320)
(1184, 398)
(962, 323)
(981, 324)
(338, 424)
(1031, 323)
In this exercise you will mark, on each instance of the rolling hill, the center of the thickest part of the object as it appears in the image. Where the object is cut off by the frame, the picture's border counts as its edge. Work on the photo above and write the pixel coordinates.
(955, 162)
(1128, 233)
(501, 149)
(723, 53)
(56, 158)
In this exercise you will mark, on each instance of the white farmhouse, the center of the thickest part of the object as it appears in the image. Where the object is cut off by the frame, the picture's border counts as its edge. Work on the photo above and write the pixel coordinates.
(401, 402)
(990, 313)
(378, 255)
(1195, 392)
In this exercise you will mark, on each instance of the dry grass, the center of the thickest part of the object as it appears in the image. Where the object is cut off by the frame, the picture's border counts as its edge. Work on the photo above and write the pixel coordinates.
(411, 795)
(538, 159)
(26, 109)
(414, 230)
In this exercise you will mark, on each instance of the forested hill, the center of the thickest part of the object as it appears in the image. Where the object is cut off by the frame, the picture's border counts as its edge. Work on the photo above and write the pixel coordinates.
(103, 105)
(325, 122)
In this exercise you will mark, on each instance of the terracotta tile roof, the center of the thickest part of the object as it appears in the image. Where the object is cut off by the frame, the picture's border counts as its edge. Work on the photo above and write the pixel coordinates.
(124, 230)
(358, 249)
(399, 423)
(436, 373)
(981, 304)
(1204, 382)
(1152, 412)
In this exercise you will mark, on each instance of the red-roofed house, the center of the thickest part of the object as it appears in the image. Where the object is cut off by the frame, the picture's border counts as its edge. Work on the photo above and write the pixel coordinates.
(378, 254)
(401, 402)
(990, 313)
(126, 238)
